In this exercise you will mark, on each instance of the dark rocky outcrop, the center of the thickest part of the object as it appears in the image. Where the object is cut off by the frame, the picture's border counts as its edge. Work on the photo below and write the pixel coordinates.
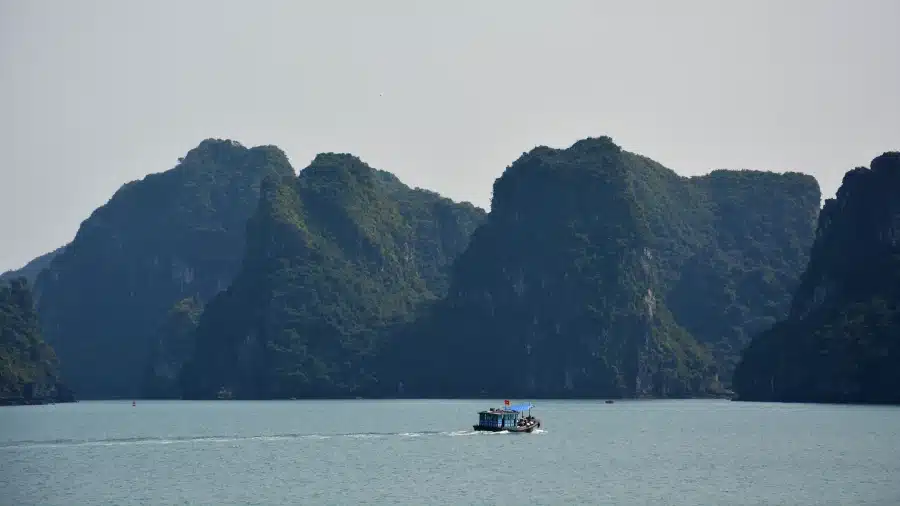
(839, 343)
(171, 235)
(597, 273)
(334, 258)
(171, 348)
(600, 272)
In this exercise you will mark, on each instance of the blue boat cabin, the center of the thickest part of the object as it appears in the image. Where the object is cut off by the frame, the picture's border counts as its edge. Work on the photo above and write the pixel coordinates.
(497, 418)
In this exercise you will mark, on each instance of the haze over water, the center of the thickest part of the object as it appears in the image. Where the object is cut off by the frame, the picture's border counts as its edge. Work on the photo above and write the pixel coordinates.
(424, 452)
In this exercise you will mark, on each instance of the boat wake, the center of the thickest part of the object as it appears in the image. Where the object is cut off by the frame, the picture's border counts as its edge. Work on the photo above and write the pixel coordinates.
(62, 443)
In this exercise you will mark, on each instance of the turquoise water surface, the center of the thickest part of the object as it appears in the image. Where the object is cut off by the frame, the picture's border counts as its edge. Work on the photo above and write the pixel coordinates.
(423, 452)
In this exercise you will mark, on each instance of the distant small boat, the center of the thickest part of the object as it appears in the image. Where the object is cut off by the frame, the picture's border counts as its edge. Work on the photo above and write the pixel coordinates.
(508, 418)
(609, 401)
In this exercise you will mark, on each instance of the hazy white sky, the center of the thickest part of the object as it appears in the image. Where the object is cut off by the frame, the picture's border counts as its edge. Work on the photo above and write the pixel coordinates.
(94, 94)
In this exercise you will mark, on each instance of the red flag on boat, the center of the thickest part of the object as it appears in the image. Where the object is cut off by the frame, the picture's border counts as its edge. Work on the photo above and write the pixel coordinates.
(506, 402)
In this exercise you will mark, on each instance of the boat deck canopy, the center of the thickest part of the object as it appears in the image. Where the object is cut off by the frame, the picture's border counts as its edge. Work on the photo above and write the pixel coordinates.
(519, 408)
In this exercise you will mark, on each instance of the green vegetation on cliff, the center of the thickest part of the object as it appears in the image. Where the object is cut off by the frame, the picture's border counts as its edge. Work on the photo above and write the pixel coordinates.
(598, 272)
(28, 366)
(839, 342)
(602, 273)
(171, 348)
(739, 280)
(171, 235)
(334, 257)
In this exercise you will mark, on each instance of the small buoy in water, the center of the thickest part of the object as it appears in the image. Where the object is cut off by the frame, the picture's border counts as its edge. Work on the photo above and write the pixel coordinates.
(132, 404)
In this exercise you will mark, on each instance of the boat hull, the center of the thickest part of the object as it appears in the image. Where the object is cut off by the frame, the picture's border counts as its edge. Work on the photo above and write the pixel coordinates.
(522, 428)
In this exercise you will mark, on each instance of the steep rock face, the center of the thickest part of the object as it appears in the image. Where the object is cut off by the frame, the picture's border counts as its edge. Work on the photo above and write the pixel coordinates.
(839, 342)
(739, 279)
(589, 262)
(333, 258)
(559, 292)
(31, 270)
(172, 347)
(29, 371)
(171, 235)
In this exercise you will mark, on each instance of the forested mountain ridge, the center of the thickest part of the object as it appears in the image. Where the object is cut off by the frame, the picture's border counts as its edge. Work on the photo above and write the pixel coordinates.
(334, 258)
(168, 236)
(600, 272)
(597, 273)
(839, 343)
(739, 281)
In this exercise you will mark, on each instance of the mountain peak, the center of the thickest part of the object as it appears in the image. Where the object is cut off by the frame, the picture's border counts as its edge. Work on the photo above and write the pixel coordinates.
(331, 159)
(595, 144)
(586, 146)
(342, 169)
(888, 161)
(182, 229)
(213, 147)
(884, 173)
(216, 142)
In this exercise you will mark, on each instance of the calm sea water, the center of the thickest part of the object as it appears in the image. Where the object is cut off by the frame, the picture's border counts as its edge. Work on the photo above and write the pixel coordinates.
(424, 453)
